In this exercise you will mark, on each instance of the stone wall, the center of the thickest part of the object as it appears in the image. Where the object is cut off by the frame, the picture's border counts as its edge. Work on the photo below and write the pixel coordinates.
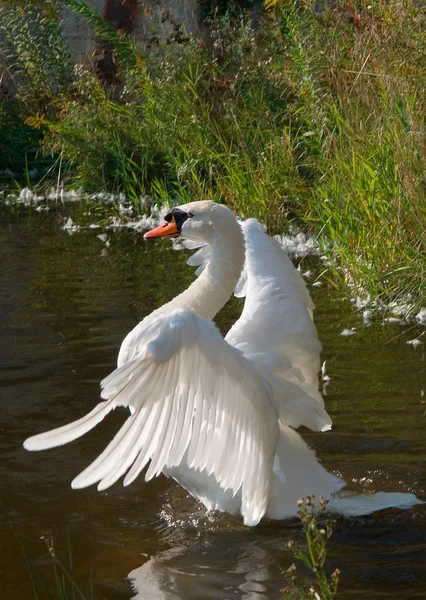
(79, 35)
(149, 18)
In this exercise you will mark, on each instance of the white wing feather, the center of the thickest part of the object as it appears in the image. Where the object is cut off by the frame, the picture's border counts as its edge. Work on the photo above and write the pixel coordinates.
(201, 258)
(195, 403)
(277, 332)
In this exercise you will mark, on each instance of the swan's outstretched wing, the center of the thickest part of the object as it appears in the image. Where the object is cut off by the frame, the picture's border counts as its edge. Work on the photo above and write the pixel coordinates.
(194, 400)
(276, 328)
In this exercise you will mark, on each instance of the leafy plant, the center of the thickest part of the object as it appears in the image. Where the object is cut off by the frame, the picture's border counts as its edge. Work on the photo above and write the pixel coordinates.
(317, 534)
(36, 57)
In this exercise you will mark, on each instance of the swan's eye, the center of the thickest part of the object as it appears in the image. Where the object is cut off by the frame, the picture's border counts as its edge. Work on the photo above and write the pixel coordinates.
(179, 216)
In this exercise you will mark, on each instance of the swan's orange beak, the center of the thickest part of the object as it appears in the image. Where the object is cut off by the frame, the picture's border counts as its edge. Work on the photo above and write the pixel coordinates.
(164, 230)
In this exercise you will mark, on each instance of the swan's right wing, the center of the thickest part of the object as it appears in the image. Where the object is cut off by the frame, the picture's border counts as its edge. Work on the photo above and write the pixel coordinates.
(278, 310)
(194, 401)
(276, 329)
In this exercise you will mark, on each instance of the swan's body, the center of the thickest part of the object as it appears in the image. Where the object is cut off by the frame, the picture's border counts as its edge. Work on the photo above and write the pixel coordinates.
(218, 415)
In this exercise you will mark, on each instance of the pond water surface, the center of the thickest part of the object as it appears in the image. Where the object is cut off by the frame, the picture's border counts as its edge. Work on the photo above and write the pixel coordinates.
(64, 310)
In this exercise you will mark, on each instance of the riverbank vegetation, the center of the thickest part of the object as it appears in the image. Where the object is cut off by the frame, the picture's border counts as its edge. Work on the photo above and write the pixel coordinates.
(311, 114)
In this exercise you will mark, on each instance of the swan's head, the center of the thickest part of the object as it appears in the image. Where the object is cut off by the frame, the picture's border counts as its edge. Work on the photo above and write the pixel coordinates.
(195, 221)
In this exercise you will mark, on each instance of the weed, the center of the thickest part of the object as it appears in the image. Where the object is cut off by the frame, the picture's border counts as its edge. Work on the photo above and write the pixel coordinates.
(317, 534)
(65, 586)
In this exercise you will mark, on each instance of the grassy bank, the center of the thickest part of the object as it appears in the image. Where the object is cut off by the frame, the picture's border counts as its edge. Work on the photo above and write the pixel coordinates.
(291, 116)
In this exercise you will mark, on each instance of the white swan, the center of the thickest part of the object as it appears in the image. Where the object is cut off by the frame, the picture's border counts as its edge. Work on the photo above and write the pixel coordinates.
(218, 414)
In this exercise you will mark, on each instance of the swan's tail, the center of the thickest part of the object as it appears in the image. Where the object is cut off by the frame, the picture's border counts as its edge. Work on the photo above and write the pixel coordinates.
(303, 475)
(366, 504)
(297, 473)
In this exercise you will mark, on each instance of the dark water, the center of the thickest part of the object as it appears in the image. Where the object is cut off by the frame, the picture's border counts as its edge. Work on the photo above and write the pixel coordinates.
(64, 310)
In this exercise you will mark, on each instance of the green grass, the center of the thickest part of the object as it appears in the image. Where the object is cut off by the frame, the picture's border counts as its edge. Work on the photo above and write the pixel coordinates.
(64, 586)
(304, 118)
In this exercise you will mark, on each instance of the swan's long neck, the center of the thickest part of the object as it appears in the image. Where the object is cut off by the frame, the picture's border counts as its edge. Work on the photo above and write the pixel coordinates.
(213, 288)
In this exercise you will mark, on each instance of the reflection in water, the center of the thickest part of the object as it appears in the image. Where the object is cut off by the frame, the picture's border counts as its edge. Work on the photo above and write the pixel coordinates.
(179, 573)
(380, 556)
(63, 313)
(214, 556)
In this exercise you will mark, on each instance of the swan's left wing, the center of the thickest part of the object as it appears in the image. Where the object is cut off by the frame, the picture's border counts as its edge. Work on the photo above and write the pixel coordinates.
(194, 400)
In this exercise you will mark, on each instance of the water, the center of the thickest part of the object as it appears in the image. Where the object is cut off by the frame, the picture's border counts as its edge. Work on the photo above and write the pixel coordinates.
(64, 311)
